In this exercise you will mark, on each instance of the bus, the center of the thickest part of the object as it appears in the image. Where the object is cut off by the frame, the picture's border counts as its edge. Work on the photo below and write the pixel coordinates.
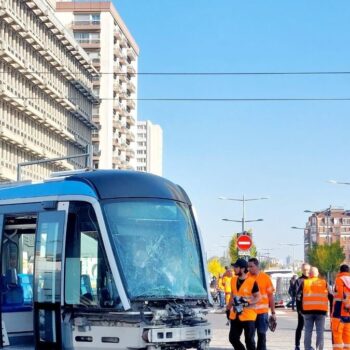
(101, 259)
(280, 279)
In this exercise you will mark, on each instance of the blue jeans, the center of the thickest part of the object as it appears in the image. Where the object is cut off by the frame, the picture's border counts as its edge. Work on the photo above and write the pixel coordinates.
(222, 298)
(293, 302)
(262, 325)
(319, 321)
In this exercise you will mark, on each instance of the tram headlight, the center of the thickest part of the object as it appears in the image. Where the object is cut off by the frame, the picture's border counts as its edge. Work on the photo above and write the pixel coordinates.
(145, 335)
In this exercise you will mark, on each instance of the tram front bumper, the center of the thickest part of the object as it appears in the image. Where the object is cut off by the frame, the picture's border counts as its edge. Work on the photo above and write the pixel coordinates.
(180, 334)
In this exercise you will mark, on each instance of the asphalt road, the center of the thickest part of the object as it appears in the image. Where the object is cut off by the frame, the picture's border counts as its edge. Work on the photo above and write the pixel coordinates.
(282, 338)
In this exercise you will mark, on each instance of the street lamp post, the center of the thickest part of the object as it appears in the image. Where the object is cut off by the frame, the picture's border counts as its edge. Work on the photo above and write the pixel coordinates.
(243, 200)
(305, 243)
(243, 221)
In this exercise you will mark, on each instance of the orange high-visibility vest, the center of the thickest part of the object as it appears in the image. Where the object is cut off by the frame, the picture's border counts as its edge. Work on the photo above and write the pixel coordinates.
(227, 283)
(265, 288)
(315, 295)
(249, 313)
(341, 301)
(220, 284)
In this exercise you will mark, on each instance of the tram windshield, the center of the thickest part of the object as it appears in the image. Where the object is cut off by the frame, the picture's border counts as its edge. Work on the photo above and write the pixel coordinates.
(157, 248)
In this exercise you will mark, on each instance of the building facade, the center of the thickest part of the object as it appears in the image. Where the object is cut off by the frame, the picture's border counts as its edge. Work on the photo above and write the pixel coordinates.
(149, 148)
(101, 32)
(46, 95)
(328, 226)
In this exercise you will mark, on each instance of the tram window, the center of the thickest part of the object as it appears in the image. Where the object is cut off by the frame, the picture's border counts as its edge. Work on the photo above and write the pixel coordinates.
(88, 279)
(17, 263)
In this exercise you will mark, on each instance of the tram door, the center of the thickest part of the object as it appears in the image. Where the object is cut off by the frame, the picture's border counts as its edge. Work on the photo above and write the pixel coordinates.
(47, 279)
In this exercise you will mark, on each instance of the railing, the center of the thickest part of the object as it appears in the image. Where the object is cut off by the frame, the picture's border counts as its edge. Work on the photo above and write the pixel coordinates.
(86, 23)
(87, 41)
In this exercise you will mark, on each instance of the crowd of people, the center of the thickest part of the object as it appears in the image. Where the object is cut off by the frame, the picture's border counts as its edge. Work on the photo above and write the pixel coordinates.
(247, 294)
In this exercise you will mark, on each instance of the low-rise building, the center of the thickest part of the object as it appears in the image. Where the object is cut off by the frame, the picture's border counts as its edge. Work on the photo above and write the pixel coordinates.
(328, 226)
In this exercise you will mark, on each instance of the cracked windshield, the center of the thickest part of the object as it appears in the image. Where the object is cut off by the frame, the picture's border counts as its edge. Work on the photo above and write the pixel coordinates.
(149, 236)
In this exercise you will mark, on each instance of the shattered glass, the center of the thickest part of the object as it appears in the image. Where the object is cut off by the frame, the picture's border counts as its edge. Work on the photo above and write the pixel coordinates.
(157, 247)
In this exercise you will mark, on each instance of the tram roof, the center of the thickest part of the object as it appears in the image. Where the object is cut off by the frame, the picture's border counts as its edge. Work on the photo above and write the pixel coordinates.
(100, 184)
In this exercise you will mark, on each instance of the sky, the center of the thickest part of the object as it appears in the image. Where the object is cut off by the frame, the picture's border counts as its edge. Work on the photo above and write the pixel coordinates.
(284, 150)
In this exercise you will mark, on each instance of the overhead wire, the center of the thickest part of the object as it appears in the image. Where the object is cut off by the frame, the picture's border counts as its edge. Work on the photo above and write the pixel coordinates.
(201, 73)
(209, 99)
(282, 99)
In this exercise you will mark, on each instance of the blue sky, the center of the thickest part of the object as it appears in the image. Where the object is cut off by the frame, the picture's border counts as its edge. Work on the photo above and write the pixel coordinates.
(286, 150)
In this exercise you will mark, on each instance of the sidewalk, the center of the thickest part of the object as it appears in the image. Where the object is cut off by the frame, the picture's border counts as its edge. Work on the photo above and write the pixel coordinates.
(281, 339)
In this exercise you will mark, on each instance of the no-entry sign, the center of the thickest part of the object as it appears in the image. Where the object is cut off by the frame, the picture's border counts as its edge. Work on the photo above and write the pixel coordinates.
(244, 242)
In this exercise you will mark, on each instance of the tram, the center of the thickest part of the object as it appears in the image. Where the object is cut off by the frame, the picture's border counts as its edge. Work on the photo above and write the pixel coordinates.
(101, 259)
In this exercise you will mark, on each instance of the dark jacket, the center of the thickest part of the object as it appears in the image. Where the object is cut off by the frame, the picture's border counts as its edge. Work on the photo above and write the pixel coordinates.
(299, 285)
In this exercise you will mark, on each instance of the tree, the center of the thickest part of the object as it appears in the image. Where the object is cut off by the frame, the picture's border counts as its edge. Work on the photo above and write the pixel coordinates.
(215, 267)
(326, 257)
(233, 250)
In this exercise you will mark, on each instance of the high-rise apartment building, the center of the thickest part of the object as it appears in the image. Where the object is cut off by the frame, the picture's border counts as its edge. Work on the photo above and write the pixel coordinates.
(328, 226)
(46, 95)
(149, 147)
(101, 32)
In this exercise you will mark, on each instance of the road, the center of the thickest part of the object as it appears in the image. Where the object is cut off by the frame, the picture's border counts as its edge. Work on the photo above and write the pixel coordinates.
(282, 338)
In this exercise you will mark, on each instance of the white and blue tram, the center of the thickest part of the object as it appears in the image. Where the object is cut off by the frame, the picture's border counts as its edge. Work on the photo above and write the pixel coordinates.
(101, 260)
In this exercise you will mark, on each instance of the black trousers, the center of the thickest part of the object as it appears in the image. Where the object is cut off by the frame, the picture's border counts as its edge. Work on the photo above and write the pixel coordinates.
(299, 329)
(236, 329)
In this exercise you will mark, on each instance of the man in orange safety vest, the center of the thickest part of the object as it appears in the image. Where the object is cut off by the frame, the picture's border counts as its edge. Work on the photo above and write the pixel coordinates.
(341, 310)
(226, 281)
(241, 306)
(267, 301)
(314, 297)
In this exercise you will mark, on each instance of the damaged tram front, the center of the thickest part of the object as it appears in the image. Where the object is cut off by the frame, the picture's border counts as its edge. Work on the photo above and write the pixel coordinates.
(102, 260)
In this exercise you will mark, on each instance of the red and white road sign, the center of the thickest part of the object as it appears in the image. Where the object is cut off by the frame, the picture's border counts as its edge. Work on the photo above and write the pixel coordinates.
(244, 242)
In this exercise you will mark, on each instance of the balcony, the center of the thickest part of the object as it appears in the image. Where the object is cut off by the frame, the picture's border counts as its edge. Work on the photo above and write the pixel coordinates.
(122, 59)
(118, 51)
(131, 136)
(123, 145)
(118, 106)
(131, 54)
(118, 34)
(89, 43)
(120, 72)
(86, 25)
(130, 119)
(131, 70)
(123, 95)
(117, 124)
(131, 103)
(96, 62)
(130, 152)
(123, 42)
(116, 86)
(123, 128)
(116, 159)
(95, 137)
(96, 119)
(131, 86)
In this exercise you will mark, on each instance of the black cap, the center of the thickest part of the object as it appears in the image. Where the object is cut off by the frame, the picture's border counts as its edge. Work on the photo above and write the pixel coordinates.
(241, 263)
